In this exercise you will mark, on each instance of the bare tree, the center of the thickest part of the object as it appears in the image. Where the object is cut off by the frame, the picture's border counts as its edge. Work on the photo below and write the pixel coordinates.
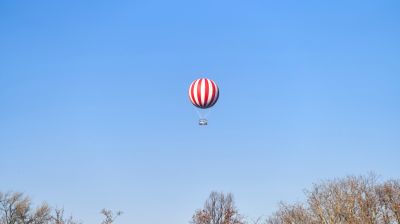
(109, 216)
(351, 200)
(59, 218)
(292, 214)
(218, 209)
(15, 208)
(389, 200)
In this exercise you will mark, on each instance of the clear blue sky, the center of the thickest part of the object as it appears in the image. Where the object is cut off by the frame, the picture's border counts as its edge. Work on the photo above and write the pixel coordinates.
(94, 110)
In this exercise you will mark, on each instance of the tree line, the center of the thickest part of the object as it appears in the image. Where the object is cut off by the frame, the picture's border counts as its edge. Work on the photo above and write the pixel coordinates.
(349, 200)
(15, 208)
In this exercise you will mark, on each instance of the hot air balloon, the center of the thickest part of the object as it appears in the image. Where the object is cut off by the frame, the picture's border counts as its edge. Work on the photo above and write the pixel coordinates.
(203, 93)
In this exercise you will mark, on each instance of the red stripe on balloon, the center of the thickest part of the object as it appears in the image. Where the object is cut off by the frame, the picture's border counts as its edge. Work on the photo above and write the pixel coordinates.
(206, 93)
(192, 93)
(199, 92)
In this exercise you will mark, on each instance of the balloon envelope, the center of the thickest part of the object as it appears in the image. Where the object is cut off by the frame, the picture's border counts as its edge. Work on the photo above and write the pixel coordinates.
(203, 93)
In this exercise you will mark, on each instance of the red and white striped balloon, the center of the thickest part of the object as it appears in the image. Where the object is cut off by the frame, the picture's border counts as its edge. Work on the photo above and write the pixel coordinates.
(203, 93)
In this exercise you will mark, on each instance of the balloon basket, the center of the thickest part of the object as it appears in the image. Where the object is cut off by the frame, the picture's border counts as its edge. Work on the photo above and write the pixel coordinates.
(203, 122)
